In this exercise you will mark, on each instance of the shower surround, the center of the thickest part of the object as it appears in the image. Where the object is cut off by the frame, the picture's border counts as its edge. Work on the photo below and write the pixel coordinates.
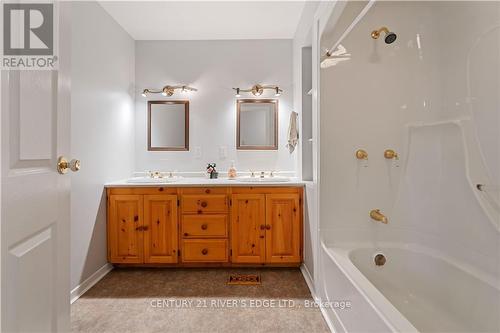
(432, 96)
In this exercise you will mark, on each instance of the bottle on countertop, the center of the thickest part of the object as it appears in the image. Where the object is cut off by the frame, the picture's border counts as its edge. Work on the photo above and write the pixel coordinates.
(231, 173)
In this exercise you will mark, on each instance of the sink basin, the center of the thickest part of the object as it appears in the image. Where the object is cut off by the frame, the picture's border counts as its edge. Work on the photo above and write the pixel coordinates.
(149, 180)
(263, 180)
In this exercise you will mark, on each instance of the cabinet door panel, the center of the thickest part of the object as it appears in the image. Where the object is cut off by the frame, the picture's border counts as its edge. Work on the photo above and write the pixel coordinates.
(248, 228)
(160, 229)
(283, 232)
(125, 237)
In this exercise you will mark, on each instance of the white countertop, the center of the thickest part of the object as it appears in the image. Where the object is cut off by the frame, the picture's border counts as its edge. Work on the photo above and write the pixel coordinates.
(200, 181)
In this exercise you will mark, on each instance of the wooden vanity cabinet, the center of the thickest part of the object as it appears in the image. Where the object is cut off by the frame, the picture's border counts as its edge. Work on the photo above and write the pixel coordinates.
(160, 229)
(248, 229)
(266, 228)
(205, 226)
(283, 228)
(125, 223)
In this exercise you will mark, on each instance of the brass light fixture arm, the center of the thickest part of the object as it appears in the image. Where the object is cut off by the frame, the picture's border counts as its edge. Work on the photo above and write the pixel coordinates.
(258, 89)
(168, 90)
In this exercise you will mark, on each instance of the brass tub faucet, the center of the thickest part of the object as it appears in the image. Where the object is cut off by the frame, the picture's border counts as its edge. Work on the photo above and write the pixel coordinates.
(376, 215)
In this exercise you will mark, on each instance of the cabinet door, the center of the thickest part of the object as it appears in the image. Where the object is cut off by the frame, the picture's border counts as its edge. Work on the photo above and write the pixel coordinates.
(125, 236)
(283, 228)
(248, 220)
(160, 229)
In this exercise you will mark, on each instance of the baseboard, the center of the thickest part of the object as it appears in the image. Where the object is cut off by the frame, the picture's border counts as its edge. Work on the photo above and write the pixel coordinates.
(90, 282)
(310, 284)
(309, 280)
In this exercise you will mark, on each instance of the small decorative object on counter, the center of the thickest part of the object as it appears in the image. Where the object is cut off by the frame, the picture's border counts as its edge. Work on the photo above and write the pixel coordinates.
(212, 171)
(231, 174)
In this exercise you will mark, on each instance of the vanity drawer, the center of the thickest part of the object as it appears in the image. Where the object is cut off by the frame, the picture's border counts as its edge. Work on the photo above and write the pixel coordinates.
(199, 226)
(199, 204)
(204, 250)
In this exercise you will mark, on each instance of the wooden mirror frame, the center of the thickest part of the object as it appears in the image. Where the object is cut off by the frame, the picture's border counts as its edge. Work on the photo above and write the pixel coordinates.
(186, 127)
(238, 111)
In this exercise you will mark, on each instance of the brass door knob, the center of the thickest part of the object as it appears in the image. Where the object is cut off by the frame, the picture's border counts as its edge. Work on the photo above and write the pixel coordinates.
(204, 252)
(204, 226)
(63, 165)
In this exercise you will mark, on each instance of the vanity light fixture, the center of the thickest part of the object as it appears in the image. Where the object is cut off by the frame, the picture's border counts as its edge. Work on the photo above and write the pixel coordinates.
(168, 90)
(258, 90)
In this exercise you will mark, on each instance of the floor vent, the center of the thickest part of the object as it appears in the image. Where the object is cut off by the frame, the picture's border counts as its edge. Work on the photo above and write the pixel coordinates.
(244, 279)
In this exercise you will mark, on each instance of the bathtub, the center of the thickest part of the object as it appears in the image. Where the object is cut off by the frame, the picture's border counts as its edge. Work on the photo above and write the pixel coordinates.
(414, 291)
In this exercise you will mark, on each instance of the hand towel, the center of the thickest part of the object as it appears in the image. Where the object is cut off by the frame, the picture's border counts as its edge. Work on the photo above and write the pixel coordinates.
(293, 132)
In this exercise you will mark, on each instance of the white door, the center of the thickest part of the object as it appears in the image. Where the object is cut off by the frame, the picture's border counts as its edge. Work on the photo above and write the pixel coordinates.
(35, 207)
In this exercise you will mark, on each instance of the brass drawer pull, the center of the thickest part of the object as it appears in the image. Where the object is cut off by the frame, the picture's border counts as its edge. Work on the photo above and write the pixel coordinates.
(204, 204)
(204, 252)
(204, 226)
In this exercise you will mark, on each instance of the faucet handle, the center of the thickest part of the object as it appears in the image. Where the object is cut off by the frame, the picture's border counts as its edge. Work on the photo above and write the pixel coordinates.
(271, 174)
(262, 174)
(252, 173)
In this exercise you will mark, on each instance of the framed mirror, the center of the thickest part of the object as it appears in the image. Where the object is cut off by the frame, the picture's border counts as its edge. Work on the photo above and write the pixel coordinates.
(168, 125)
(257, 124)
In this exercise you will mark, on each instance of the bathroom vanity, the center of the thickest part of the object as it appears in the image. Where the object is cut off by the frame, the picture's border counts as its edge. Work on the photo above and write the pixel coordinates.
(221, 223)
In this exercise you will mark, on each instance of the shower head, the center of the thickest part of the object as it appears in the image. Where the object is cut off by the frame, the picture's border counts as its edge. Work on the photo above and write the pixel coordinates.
(390, 37)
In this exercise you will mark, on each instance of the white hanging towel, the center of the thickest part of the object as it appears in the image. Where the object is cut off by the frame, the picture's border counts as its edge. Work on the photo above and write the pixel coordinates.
(293, 132)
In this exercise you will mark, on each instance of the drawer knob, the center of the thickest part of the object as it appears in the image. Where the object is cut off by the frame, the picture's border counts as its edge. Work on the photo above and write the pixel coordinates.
(207, 191)
(204, 204)
(262, 227)
(204, 226)
(186, 234)
(268, 227)
(204, 252)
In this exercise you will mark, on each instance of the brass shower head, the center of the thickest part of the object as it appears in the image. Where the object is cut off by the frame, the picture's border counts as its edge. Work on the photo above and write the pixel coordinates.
(390, 37)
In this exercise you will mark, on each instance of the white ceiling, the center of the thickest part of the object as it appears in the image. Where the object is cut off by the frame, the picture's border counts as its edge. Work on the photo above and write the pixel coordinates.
(206, 20)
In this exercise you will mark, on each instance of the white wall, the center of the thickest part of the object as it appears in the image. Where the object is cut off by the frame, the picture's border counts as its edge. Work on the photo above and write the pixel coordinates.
(102, 128)
(213, 67)
(371, 100)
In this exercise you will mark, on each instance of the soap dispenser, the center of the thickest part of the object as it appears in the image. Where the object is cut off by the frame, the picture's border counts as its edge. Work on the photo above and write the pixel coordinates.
(231, 173)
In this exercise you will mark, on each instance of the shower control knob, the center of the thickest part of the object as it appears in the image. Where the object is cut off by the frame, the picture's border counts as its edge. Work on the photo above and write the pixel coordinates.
(390, 154)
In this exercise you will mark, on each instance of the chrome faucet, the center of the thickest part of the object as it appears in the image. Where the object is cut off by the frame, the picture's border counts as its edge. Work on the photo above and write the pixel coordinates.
(262, 174)
(376, 215)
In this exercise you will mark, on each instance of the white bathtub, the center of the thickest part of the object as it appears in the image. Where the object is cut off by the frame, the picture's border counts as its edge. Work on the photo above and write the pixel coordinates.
(414, 291)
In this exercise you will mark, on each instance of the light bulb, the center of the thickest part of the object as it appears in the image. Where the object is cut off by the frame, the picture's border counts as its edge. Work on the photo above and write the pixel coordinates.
(278, 93)
(164, 93)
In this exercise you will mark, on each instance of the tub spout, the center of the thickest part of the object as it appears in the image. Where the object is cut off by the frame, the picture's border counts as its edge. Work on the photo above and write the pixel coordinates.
(376, 215)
